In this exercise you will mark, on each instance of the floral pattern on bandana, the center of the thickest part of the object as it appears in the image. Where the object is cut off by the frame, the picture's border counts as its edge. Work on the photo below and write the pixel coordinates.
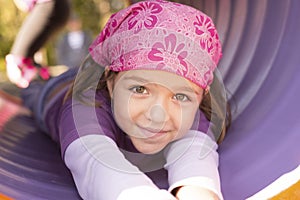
(169, 53)
(205, 29)
(144, 16)
(160, 35)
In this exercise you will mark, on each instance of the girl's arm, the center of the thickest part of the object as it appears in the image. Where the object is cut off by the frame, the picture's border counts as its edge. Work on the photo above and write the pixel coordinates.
(192, 164)
(100, 171)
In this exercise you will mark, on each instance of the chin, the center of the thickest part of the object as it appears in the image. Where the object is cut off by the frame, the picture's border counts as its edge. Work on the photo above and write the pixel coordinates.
(148, 150)
(150, 146)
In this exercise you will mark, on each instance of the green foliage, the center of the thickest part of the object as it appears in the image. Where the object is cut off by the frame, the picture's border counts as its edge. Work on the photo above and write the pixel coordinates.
(89, 13)
(95, 13)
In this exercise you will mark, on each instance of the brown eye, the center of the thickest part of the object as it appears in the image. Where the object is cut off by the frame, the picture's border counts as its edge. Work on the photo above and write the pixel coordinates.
(139, 90)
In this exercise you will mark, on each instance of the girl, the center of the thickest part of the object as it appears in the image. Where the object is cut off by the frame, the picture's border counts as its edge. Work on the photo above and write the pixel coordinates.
(135, 122)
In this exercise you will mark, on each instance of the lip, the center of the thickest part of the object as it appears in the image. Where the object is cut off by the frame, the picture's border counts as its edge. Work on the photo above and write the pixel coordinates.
(151, 133)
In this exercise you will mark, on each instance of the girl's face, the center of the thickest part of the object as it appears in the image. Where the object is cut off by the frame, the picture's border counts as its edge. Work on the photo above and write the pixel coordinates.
(153, 108)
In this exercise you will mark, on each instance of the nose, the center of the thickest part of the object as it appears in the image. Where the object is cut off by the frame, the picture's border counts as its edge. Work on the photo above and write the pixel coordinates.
(157, 113)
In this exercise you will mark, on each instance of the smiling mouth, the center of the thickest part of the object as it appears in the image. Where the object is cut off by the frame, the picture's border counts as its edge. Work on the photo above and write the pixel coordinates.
(151, 133)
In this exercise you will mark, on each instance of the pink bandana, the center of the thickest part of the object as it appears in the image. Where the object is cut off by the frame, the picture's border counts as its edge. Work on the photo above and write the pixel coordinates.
(160, 35)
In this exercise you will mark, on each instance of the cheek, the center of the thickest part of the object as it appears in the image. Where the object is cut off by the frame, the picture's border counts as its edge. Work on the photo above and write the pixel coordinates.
(133, 108)
(120, 106)
(127, 109)
(186, 121)
(188, 118)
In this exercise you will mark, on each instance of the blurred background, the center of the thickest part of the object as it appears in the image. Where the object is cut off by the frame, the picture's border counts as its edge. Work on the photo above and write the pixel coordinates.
(92, 13)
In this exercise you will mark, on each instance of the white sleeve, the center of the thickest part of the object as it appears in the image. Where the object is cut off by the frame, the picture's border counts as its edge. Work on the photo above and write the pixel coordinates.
(101, 171)
(193, 160)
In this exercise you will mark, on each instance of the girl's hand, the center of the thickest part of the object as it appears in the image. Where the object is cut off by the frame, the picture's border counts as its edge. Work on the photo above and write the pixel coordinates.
(195, 193)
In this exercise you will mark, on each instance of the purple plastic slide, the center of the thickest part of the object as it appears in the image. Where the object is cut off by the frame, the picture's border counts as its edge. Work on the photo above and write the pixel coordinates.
(260, 68)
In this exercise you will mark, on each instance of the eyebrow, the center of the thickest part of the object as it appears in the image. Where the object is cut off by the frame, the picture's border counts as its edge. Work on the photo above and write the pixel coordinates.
(136, 78)
(188, 89)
